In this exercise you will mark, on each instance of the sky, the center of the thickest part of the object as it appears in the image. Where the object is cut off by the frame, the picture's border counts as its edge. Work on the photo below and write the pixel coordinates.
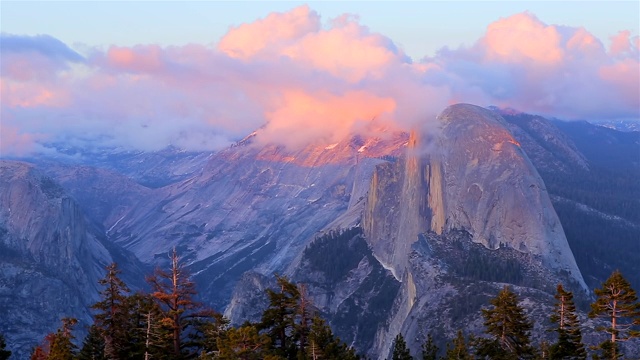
(200, 75)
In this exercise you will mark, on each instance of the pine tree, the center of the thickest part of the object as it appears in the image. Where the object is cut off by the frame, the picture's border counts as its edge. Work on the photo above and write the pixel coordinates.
(459, 350)
(400, 350)
(210, 332)
(618, 303)
(302, 325)
(62, 346)
(4, 353)
(39, 353)
(324, 345)
(174, 292)
(429, 349)
(569, 345)
(244, 343)
(507, 323)
(279, 319)
(112, 317)
(92, 346)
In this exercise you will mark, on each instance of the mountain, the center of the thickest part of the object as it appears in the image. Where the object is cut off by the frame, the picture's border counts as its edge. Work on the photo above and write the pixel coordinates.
(152, 169)
(392, 232)
(597, 198)
(52, 257)
(433, 232)
(253, 208)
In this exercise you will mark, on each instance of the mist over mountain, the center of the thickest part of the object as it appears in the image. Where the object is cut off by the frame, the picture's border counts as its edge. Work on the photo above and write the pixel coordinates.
(387, 230)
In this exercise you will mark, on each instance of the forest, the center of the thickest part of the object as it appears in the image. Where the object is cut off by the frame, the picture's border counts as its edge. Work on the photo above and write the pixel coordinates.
(168, 323)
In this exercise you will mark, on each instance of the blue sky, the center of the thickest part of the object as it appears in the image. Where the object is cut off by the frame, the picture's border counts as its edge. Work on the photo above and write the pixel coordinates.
(419, 27)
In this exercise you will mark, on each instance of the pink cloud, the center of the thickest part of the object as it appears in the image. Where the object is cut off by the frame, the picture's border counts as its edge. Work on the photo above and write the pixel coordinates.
(522, 37)
(303, 117)
(247, 40)
(14, 141)
(624, 76)
(140, 59)
(621, 43)
(347, 51)
(303, 82)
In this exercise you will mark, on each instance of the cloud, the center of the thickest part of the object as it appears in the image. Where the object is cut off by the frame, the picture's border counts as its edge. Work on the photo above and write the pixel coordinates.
(34, 57)
(553, 70)
(522, 38)
(301, 80)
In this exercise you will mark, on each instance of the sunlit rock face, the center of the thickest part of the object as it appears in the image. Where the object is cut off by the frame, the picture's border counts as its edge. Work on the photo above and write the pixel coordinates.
(493, 191)
(254, 207)
(466, 188)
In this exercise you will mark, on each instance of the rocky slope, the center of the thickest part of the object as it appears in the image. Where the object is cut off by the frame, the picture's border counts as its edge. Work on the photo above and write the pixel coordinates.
(253, 208)
(391, 232)
(51, 257)
(477, 200)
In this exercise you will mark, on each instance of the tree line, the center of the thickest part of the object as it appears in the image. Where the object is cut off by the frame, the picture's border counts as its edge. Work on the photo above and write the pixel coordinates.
(168, 323)
(508, 329)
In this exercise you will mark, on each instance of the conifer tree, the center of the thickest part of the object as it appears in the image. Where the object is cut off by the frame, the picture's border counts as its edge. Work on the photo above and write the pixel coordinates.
(4, 353)
(302, 325)
(569, 344)
(92, 346)
(400, 350)
(62, 346)
(209, 332)
(39, 353)
(112, 317)
(618, 303)
(243, 343)
(459, 350)
(429, 349)
(279, 319)
(510, 328)
(174, 292)
(323, 344)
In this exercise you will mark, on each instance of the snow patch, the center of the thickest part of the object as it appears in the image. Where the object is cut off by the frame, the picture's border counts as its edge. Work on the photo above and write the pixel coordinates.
(331, 146)
(388, 267)
(116, 223)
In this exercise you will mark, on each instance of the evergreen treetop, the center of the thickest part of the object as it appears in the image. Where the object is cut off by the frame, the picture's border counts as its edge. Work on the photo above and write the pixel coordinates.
(618, 303)
(510, 328)
(400, 349)
(569, 344)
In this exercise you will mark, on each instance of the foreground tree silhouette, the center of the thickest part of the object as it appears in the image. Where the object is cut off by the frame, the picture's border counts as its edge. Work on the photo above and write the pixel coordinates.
(63, 347)
(569, 344)
(4, 353)
(618, 303)
(279, 318)
(174, 292)
(92, 346)
(244, 343)
(429, 349)
(60, 344)
(323, 344)
(112, 314)
(459, 350)
(507, 323)
(400, 350)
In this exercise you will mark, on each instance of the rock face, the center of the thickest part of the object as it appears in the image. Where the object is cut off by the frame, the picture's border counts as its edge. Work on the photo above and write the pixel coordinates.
(493, 191)
(51, 257)
(253, 208)
(426, 217)
(478, 187)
